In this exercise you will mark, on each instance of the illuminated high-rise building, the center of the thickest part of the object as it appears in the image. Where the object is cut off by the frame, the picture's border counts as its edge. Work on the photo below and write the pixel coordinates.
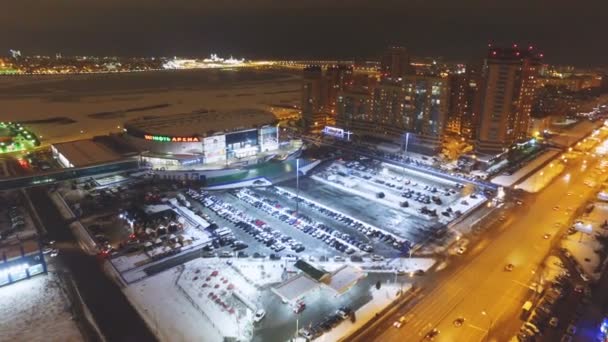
(313, 99)
(412, 108)
(509, 87)
(395, 62)
(319, 94)
(463, 116)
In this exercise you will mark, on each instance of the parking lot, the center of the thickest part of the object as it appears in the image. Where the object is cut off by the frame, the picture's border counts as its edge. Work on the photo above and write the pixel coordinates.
(412, 206)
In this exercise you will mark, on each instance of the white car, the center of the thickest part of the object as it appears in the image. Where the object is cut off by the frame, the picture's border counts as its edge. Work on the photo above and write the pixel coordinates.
(554, 322)
(461, 250)
(259, 316)
(397, 324)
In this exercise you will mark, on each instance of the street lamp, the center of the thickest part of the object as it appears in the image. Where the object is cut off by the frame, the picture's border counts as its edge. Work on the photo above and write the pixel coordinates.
(297, 186)
(491, 323)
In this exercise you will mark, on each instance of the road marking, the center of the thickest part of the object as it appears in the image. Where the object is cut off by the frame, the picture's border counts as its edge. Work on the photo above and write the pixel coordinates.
(478, 328)
(520, 283)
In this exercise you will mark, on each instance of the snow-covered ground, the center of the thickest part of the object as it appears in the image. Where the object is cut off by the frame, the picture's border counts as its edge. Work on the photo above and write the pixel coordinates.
(36, 310)
(168, 313)
(583, 246)
(227, 299)
(97, 104)
(204, 299)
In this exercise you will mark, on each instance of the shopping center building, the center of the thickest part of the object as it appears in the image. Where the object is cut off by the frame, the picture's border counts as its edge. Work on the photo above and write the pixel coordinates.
(203, 138)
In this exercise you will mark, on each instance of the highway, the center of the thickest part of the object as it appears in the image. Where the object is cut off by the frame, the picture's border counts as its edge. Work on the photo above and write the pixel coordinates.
(476, 287)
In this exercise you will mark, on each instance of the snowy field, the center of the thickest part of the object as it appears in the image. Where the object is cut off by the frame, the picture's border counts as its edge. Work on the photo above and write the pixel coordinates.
(98, 104)
(168, 313)
(36, 310)
(204, 299)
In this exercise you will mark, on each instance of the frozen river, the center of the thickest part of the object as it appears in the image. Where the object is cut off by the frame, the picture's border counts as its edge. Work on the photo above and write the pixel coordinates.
(62, 108)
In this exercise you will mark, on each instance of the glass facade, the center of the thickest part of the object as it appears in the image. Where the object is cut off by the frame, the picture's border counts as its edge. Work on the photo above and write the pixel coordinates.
(242, 144)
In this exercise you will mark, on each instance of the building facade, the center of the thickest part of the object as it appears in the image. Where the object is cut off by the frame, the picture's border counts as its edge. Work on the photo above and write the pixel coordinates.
(203, 138)
(510, 82)
(463, 115)
(395, 62)
(417, 105)
(319, 92)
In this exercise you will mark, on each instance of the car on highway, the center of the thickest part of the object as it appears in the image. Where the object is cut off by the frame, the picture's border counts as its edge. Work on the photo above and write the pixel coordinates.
(400, 322)
(509, 267)
(458, 322)
(432, 334)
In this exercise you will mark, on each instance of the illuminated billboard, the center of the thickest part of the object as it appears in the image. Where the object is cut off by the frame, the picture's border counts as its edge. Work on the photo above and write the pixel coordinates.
(165, 138)
(214, 148)
(337, 132)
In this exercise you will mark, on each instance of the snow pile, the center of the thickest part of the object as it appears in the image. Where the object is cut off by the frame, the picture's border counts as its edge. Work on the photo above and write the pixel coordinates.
(36, 310)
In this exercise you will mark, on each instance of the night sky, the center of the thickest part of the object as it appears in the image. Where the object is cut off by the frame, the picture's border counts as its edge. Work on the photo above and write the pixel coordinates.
(568, 32)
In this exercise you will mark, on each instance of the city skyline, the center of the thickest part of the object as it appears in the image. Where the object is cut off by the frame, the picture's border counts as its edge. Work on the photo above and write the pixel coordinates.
(269, 29)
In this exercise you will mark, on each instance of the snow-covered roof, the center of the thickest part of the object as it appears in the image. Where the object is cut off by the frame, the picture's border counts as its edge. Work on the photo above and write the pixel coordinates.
(200, 124)
(344, 278)
(85, 152)
(295, 287)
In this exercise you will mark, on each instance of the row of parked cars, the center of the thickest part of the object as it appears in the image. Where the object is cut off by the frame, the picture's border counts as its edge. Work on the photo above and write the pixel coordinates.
(342, 242)
(326, 324)
(17, 222)
(368, 230)
(544, 317)
(262, 232)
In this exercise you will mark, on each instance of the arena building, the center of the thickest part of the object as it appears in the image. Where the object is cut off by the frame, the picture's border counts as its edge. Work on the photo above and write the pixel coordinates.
(203, 138)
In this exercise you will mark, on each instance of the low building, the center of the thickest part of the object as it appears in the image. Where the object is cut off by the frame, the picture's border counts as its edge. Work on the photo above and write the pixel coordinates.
(80, 153)
(20, 260)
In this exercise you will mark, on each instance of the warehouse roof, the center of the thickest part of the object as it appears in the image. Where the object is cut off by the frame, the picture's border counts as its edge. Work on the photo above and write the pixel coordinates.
(85, 152)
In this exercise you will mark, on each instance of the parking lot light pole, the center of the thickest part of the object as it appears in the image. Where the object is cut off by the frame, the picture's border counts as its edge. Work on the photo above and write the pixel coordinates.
(297, 327)
(490, 326)
(297, 187)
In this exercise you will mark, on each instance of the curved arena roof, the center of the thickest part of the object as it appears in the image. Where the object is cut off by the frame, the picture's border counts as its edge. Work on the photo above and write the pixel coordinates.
(200, 124)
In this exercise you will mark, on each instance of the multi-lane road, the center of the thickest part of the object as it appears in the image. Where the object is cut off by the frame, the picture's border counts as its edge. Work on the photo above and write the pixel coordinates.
(476, 286)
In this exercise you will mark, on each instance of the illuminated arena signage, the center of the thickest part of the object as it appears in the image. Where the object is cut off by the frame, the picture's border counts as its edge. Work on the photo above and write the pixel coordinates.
(164, 138)
(337, 132)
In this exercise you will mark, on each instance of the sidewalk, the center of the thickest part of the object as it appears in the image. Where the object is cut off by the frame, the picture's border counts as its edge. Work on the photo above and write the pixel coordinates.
(381, 299)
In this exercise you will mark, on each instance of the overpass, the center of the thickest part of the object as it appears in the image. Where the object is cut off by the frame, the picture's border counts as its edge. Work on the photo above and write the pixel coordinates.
(55, 176)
